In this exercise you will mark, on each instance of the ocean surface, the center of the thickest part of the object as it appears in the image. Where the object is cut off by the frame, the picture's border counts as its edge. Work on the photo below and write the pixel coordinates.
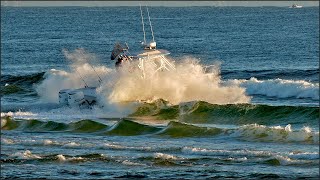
(243, 101)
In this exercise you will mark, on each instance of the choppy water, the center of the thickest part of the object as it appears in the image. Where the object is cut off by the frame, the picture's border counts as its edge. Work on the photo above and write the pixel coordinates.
(253, 114)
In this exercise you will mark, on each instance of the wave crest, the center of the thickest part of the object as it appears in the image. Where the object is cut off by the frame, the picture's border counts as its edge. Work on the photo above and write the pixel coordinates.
(279, 88)
(249, 132)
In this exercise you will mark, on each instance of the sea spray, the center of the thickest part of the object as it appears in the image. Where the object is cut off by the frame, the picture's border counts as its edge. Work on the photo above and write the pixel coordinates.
(190, 81)
(56, 80)
(80, 71)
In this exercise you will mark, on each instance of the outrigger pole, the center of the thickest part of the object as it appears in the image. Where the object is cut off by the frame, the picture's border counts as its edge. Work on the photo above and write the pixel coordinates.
(150, 24)
(144, 32)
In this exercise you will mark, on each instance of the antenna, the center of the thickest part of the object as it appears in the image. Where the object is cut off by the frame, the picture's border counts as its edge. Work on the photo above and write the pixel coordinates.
(144, 33)
(150, 24)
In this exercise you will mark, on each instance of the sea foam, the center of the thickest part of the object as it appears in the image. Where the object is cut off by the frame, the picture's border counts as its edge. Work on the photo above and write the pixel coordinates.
(190, 81)
(276, 133)
(26, 155)
(279, 88)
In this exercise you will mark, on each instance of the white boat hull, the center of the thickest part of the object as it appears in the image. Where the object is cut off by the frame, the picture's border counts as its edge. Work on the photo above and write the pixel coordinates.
(78, 97)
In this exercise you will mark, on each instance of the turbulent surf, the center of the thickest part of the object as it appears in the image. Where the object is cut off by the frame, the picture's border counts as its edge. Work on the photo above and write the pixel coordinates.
(237, 97)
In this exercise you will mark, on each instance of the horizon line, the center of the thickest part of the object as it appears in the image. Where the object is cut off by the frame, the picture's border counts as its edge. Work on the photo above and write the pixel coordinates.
(158, 3)
(84, 6)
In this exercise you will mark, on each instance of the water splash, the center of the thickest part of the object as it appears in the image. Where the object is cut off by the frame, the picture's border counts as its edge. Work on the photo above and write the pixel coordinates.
(191, 81)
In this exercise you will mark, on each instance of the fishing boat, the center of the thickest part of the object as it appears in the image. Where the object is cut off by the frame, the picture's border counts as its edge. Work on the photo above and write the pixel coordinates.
(146, 62)
(295, 6)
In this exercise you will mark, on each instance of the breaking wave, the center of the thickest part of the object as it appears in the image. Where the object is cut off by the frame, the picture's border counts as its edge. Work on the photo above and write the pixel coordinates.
(195, 112)
(238, 114)
(296, 74)
(83, 126)
(81, 73)
(191, 81)
(164, 159)
(279, 88)
(249, 132)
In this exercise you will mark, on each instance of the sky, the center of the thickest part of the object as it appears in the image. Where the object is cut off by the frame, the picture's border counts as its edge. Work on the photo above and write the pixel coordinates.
(159, 3)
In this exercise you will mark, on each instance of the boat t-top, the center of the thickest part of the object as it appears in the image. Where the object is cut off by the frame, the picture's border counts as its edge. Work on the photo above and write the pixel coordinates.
(148, 58)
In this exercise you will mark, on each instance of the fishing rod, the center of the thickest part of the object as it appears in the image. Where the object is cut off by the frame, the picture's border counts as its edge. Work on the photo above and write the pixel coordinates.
(86, 85)
(100, 80)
